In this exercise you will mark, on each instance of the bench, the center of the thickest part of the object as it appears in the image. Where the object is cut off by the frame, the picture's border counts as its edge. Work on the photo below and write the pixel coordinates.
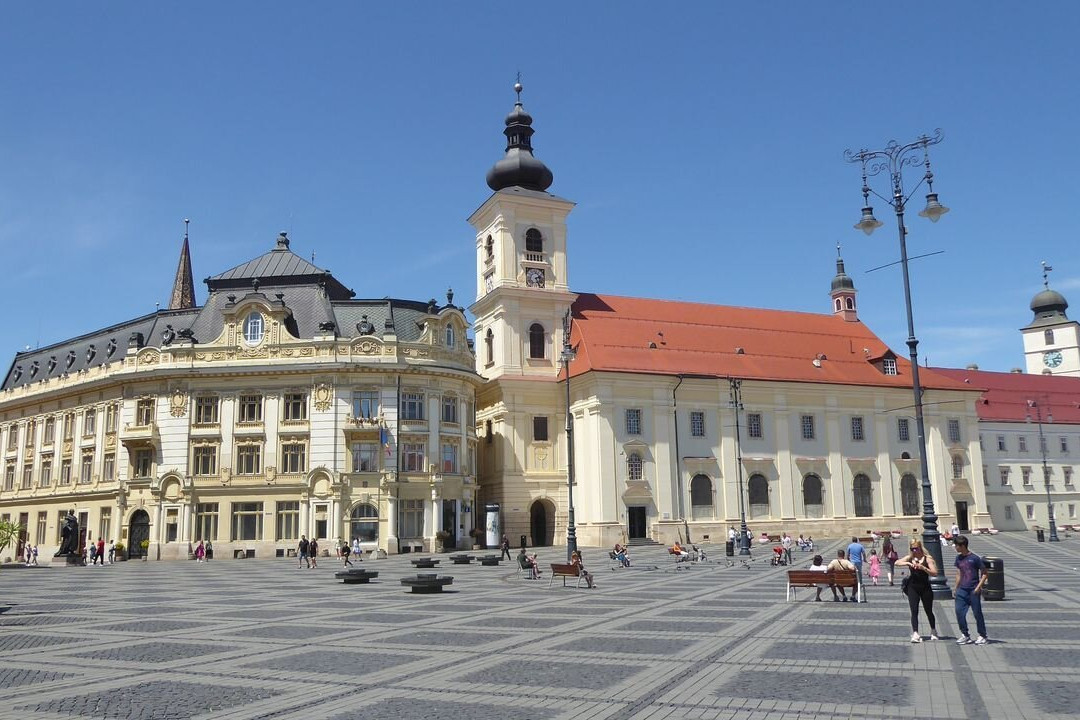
(351, 577)
(773, 538)
(462, 559)
(565, 571)
(833, 578)
(490, 560)
(424, 563)
(426, 583)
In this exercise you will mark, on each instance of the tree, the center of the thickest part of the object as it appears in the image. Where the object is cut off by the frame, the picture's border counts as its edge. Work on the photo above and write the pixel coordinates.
(9, 534)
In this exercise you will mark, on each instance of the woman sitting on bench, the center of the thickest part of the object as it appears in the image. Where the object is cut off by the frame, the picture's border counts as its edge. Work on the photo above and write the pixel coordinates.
(678, 550)
(575, 559)
(528, 562)
(619, 553)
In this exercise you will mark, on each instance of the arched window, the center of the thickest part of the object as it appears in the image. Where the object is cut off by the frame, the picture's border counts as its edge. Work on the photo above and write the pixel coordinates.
(757, 488)
(838, 307)
(813, 496)
(534, 241)
(450, 336)
(850, 303)
(489, 347)
(1048, 335)
(489, 247)
(634, 467)
(364, 523)
(253, 328)
(864, 501)
(536, 341)
(701, 497)
(909, 495)
(957, 466)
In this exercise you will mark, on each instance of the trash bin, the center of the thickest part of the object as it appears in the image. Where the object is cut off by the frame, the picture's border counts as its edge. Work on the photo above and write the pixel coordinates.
(1040, 535)
(995, 578)
(522, 542)
(729, 548)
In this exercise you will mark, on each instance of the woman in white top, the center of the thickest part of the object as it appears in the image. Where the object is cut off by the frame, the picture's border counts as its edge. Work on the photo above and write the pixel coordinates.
(818, 565)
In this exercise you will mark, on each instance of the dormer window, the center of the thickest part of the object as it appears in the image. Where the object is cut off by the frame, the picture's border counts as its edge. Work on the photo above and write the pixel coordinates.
(1048, 336)
(449, 336)
(850, 302)
(838, 306)
(253, 328)
(888, 366)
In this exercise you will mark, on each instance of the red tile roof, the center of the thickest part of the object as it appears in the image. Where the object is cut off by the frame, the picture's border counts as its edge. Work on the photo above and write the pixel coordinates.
(614, 334)
(1006, 395)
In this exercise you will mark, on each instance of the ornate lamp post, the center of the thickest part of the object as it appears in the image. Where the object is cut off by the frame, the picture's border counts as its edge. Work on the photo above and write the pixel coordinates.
(567, 356)
(891, 161)
(1032, 405)
(736, 404)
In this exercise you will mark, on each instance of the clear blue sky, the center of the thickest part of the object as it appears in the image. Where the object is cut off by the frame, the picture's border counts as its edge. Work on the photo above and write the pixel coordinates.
(703, 147)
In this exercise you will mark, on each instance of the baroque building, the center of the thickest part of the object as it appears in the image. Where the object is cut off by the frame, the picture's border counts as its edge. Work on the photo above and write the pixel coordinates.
(824, 441)
(281, 407)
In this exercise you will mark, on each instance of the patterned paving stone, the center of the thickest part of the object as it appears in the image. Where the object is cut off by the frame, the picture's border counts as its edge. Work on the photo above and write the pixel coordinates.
(403, 709)
(574, 610)
(673, 626)
(1054, 697)
(35, 619)
(17, 677)
(813, 687)
(298, 631)
(788, 650)
(625, 645)
(555, 674)
(334, 662)
(155, 700)
(1026, 657)
(157, 652)
(444, 638)
(518, 622)
(152, 626)
(24, 642)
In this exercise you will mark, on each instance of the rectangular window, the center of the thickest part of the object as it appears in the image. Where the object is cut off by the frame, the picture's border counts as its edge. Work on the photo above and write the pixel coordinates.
(753, 425)
(1008, 512)
(413, 457)
(954, 431)
(1003, 473)
(28, 439)
(411, 518)
(42, 524)
(365, 457)
(1042, 444)
(857, 429)
(540, 429)
(1001, 443)
(204, 460)
(27, 477)
(293, 458)
(144, 412)
(1025, 473)
(172, 517)
(9, 476)
(288, 520)
(89, 421)
(110, 419)
(1066, 473)
(46, 472)
(903, 429)
(247, 521)
(449, 409)
(806, 422)
(50, 431)
(105, 524)
(888, 366)
(633, 421)
(206, 521)
(250, 409)
(365, 404)
(412, 406)
(143, 463)
(86, 468)
(295, 407)
(1072, 510)
(206, 410)
(69, 426)
(1023, 444)
(1030, 511)
(1064, 445)
(986, 478)
(449, 457)
(697, 423)
(65, 472)
(108, 473)
(248, 459)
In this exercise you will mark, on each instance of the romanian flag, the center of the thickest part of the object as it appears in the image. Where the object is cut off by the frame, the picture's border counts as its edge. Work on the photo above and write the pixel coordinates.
(384, 438)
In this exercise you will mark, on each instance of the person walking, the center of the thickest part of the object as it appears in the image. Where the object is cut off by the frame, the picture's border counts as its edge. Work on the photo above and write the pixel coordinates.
(313, 552)
(112, 552)
(101, 551)
(891, 556)
(302, 552)
(505, 547)
(209, 551)
(971, 575)
(200, 552)
(33, 556)
(875, 567)
(356, 551)
(345, 552)
(917, 587)
(786, 542)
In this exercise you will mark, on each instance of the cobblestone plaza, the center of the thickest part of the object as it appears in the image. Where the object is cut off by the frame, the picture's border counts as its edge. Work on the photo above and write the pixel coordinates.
(262, 639)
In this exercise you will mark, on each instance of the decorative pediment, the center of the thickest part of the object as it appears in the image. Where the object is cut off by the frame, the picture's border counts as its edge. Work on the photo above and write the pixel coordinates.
(637, 490)
(708, 465)
(812, 464)
(863, 465)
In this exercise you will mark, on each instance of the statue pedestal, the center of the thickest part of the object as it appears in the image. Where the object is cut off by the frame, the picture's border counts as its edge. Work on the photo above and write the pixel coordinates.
(67, 561)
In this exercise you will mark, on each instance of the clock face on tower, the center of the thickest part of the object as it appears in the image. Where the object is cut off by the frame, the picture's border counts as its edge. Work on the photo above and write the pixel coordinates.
(534, 277)
(1052, 359)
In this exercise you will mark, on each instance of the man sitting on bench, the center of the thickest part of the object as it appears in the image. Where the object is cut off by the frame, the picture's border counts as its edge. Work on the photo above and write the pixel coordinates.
(841, 564)
(528, 562)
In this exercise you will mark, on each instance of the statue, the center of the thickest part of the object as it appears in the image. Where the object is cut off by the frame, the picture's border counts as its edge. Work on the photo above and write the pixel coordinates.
(69, 536)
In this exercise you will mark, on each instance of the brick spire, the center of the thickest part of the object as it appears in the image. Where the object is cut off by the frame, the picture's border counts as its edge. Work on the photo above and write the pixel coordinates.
(183, 292)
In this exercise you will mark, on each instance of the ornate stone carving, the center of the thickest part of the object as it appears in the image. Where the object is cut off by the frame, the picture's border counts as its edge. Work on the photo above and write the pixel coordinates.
(323, 396)
(365, 347)
(149, 357)
(178, 403)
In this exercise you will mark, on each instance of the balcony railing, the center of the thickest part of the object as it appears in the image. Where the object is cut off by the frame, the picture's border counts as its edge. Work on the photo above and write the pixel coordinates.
(534, 257)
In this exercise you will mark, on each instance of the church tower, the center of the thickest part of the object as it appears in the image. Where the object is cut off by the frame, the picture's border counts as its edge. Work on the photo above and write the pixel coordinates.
(843, 292)
(1051, 340)
(183, 292)
(522, 288)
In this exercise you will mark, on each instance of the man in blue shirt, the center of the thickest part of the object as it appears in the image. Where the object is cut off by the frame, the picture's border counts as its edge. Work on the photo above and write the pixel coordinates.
(856, 554)
(970, 577)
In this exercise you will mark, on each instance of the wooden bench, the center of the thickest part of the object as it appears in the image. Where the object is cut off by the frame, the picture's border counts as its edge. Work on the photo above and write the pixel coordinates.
(565, 571)
(462, 559)
(427, 583)
(425, 563)
(350, 577)
(835, 578)
(773, 538)
(490, 560)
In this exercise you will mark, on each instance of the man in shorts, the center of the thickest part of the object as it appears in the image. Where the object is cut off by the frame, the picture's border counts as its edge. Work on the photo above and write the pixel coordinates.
(302, 551)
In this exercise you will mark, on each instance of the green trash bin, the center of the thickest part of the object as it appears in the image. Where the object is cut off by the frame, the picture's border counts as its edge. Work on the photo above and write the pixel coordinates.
(1040, 535)
(994, 589)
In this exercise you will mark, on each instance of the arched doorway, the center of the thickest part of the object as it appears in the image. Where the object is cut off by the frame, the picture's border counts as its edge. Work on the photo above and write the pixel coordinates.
(864, 499)
(138, 531)
(364, 523)
(813, 496)
(757, 488)
(909, 495)
(701, 498)
(542, 523)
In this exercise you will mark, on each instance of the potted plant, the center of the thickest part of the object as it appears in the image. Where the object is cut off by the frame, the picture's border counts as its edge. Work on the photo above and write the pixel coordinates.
(478, 538)
(145, 545)
(440, 540)
(120, 554)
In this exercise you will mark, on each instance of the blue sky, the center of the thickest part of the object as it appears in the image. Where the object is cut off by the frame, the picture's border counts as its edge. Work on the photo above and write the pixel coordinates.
(704, 148)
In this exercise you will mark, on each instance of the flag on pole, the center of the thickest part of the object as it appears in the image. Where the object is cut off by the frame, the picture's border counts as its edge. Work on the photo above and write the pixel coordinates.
(384, 438)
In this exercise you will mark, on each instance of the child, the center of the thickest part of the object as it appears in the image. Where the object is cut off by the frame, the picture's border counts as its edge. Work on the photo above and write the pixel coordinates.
(875, 566)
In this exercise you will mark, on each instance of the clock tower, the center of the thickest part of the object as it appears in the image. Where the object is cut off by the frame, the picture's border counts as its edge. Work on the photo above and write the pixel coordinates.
(1051, 340)
(522, 290)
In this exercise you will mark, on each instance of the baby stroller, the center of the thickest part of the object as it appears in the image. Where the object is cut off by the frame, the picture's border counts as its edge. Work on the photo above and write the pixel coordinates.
(778, 556)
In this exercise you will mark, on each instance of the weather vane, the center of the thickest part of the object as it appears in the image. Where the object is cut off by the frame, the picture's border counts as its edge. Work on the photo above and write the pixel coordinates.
(1046, 275)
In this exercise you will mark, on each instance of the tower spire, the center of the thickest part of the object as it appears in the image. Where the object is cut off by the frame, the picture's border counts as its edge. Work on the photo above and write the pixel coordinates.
(183, 292)
(843, 291)
(519, 167)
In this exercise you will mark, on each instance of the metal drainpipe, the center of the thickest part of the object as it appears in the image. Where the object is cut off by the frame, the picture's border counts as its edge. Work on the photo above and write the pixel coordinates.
(678, 464)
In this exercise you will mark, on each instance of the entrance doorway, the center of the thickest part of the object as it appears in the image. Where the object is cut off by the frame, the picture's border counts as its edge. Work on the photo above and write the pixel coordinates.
(449, 523)
(542, 523)
(635, 519)
(20, 545)
(962, 516)
(138, 530)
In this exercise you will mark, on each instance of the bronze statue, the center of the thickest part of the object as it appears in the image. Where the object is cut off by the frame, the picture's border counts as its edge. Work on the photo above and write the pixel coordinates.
(69, 536)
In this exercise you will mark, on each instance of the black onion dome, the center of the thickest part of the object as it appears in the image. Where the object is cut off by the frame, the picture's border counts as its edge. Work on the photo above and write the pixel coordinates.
(519, 168)
(1049, 301)
(842, 281)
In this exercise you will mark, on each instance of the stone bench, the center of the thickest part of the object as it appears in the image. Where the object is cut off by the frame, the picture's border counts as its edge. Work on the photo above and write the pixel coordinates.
(427, 582)
(462, 559)
(490, 560)
(350, 577)
(424, 563)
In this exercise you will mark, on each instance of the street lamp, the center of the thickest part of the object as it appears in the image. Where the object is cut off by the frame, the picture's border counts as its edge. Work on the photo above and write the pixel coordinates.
(736, 404)
(567, 356)
(891, 161)
(1032, 405)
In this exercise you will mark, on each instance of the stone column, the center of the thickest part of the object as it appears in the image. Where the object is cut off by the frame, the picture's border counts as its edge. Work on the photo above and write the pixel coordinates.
(391, 525)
